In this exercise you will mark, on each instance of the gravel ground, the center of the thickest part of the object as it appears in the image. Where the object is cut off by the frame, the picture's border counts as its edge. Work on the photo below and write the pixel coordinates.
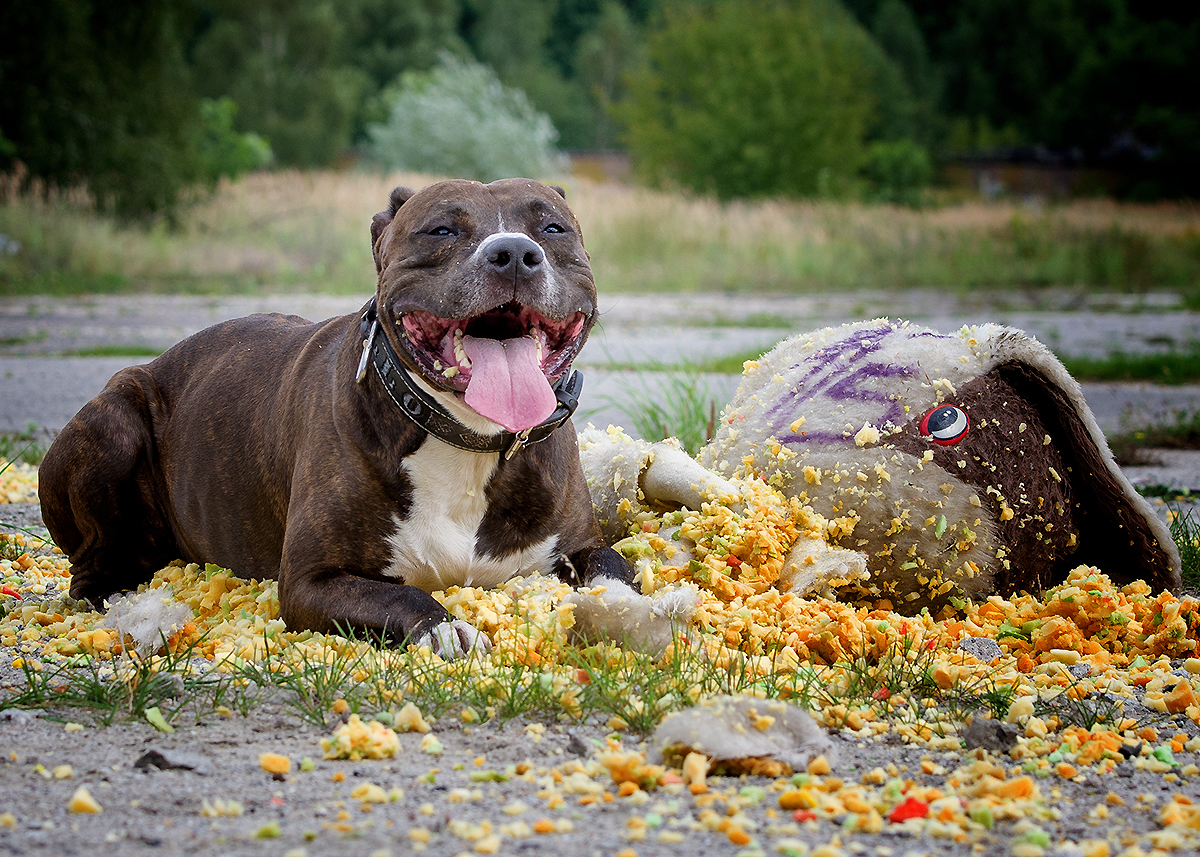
(151, 811)
(147, 810)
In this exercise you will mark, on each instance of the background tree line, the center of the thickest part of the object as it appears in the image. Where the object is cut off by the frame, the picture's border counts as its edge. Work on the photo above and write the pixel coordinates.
(144, 99)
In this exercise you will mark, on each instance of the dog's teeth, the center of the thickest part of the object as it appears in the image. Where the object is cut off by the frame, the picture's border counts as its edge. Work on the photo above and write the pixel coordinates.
(450, 371)
(460, 353)
(539, 336)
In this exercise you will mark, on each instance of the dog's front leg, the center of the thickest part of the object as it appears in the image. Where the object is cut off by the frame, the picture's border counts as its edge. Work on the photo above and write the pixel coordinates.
(333, 600)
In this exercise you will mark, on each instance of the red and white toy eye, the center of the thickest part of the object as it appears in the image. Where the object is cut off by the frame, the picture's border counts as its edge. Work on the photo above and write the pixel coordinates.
(945, 425)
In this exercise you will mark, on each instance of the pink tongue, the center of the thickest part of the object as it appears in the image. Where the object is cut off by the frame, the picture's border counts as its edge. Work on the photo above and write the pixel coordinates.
(507, 385)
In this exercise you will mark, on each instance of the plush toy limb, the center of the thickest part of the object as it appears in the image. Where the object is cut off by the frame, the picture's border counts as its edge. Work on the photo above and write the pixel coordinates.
(671, 477)
(620, 615)
(627, 476)
(612, 463)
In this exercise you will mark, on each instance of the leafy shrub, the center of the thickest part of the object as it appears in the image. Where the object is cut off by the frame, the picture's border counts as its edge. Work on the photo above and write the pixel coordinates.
(222, 150)
(898, 170)
(459, 119)
(756, 97)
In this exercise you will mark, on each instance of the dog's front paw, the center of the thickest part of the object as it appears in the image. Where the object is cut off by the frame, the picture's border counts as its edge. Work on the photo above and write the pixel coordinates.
(455, 639)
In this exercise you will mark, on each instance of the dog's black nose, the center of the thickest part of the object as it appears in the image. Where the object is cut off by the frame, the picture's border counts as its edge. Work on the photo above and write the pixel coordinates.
(515, 254)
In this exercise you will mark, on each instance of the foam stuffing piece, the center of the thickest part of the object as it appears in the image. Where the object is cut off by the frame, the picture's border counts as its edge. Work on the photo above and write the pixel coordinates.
(149, 617)
(726, 728)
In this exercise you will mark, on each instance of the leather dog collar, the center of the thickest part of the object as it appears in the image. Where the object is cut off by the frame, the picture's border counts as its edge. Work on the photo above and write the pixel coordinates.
(431, 416)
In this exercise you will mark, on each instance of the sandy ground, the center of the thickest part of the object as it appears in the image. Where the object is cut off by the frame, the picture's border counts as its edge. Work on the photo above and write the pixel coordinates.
(148, 810)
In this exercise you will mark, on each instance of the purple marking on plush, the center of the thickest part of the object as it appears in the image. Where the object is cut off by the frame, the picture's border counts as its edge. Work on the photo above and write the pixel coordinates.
(845, 385)
(863, 344)
(814, 437)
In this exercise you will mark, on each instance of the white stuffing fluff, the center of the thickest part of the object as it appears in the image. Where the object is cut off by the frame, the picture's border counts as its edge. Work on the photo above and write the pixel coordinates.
(813, 568)
(620, 615)
(148, 617)
(736, 727)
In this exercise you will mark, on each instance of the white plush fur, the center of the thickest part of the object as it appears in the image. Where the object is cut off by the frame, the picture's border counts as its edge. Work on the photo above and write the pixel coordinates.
(673, 476)
(938, 365)
(813, 567)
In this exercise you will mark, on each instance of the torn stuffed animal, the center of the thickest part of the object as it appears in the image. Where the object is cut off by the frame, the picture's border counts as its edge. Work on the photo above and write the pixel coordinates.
(955, 465)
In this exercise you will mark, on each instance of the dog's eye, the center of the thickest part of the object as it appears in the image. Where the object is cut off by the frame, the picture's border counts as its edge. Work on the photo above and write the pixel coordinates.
(440, 231)
(945, 425)
(554, 229)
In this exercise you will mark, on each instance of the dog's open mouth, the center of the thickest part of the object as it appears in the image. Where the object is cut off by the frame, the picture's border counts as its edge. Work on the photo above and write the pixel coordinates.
(503, 360)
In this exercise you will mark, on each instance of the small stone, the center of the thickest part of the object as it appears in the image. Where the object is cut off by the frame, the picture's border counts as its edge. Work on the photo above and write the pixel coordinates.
(1080, 671)
(578, 746)
(1125, 769)
(991, 735)
(172, 760)
(983, 649)
(1129, 751)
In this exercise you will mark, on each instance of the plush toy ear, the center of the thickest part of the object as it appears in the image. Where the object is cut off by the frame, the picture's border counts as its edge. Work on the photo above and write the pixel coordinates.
(380, 221)
(1118, 531)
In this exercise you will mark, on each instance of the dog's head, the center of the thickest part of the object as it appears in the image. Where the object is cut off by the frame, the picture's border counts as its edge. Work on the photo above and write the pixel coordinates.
(486, 291)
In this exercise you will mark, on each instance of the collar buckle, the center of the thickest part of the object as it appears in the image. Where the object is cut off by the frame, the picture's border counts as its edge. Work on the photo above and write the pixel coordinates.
(519, 440)
(366, 355)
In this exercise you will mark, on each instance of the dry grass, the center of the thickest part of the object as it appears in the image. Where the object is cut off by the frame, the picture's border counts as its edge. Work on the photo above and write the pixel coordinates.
(310, 231)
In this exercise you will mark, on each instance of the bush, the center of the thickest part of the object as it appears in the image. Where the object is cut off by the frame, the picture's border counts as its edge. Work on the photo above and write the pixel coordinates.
(898, 171)
(756, 97)
(459, 120)
(222, 150)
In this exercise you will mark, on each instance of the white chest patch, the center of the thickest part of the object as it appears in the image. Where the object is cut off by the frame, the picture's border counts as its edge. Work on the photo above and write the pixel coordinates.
(434, 547)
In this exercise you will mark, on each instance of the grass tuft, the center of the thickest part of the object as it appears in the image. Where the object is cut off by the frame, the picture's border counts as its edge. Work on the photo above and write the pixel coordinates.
(1185, 530)
(309, 230)
(670, 401)
(1129, 446)
(29, 446)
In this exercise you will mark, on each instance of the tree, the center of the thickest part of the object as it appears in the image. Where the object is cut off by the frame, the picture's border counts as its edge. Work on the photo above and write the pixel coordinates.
(460, 120)
(98, 93)
(384, 38)
(1108, 83)
(282, 62)
(754, 97)
(605, 56)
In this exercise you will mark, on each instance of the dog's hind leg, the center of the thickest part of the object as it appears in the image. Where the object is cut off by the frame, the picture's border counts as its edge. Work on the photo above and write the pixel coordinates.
(101, 493)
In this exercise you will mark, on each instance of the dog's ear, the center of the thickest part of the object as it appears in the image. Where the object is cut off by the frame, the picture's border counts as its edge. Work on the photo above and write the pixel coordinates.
(380, 221)
(558, 190)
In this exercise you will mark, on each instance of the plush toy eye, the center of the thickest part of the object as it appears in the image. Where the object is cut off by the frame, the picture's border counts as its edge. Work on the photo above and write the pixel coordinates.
(945, 425)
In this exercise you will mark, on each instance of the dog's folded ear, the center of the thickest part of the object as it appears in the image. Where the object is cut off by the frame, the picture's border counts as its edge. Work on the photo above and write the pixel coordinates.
(380, 221)
(558, 190)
